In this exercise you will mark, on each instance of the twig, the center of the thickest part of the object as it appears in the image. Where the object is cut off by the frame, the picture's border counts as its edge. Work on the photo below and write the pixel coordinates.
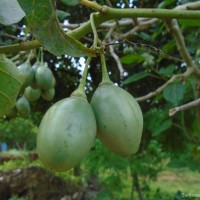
(189, 6)
(94, 30)
(92, 4)
(140, 26)
(189, 105)
(153, 49)
(117, 59)
(174, 29)
(23, 46)
(184, 75)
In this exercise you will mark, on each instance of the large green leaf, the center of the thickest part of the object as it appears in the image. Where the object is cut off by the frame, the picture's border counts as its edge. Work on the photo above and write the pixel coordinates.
(10, 12)
(174, 93)
(10, 84)
(42, 19)
(135, 77)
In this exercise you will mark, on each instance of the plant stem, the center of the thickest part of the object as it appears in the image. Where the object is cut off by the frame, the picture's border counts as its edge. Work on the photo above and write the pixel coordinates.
(189, 105)
(105, 77)
(137, 186)
(84, 77)
(94, 30)
(80, 91)
(23, 46)
(91, 4)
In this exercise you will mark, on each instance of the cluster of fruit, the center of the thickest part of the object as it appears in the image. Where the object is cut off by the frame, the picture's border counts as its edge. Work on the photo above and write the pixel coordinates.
(70, 126)
(38, 82)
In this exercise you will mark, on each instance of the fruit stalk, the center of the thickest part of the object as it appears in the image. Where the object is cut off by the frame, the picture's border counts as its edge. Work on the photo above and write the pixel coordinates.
(105, 77)
(80, 91)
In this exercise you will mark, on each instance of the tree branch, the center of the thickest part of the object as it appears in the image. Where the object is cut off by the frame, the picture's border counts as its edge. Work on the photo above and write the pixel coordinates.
(183, 76)
(117, 60)
(107, 14)
(189, 105)
(174, 29)
(23, 46)
(114, 13)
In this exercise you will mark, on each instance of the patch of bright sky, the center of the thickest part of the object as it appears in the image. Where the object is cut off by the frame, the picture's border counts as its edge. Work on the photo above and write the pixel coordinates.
(131, 4)
(66, 22)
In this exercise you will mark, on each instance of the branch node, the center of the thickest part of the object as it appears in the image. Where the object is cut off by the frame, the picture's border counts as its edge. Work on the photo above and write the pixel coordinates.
(104, 9)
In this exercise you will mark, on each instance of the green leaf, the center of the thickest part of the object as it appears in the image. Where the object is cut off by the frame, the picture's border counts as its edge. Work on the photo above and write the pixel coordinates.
(168, 71)
(70, 2)
(165, 3)
(61, 14)
(135, 77)
(42, 19)
(174, 93)
(10, 12)
(189, 22)
(131, 58)
(169, 47)
(157, 121)
(10, 84)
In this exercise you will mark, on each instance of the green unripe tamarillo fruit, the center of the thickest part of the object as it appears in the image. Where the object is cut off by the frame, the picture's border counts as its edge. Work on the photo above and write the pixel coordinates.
(66, 133)
(32, 94)
(49, 94)
(119, 119)
(44, 77)
(27, 72)
(35, 66)
(23, 106)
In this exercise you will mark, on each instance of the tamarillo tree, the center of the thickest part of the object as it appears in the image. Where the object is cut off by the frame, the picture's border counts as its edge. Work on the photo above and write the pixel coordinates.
(146, 54)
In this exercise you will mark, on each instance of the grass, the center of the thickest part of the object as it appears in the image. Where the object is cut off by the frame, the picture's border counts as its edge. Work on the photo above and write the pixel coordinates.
(173, 180)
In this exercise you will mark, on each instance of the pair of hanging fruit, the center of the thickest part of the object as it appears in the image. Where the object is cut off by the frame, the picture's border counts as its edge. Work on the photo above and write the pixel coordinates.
(68, 129)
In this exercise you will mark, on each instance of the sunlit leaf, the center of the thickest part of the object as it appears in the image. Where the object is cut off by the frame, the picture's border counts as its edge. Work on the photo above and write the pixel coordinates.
(174, 93)
(166, 3)
(61, 14)
(42, 19)
(10, 84)
(10, 12)
(167, 71)
(135, 77)
(157, 121)
(131, 58)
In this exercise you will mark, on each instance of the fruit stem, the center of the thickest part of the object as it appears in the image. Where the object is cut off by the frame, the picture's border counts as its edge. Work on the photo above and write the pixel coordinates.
(80, 91)
(41, 55)
(29, 56)
(84, 77)
(105, 77)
